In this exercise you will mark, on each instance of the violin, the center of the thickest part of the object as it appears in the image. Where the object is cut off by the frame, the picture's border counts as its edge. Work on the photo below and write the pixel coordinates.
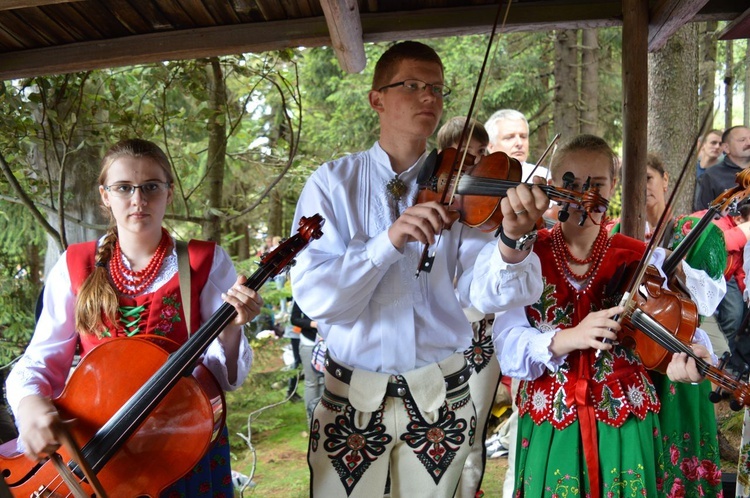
(481, 185)
(147, 429)
(659, 322)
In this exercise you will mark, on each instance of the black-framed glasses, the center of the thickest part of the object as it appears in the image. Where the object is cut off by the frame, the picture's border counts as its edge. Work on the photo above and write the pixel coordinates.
(413, 86)
(148, 189)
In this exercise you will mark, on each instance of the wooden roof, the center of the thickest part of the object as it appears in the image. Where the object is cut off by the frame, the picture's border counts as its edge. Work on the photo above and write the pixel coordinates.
(57, 36)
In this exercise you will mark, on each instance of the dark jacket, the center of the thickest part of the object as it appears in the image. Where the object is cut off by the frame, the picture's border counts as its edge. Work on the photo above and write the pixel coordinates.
(302, 321)
(714, 181)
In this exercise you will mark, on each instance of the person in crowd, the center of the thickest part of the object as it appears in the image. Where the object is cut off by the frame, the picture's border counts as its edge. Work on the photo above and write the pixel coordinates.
(7, 426)
(485, 377)
(127, 284)
(582, 392)
(509, 132)
(735, 144)
(709, 253)
(735, 226)
(283, 319)
(308, 330)
(709, 152)
(396, 400)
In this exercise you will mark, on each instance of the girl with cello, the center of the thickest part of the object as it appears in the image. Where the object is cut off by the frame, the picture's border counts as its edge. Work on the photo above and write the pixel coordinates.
(588, 420)
(127, 284)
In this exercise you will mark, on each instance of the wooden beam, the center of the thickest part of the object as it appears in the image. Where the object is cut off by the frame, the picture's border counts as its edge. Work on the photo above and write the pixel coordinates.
(309, 32)
(345, 28)
(737, 29)
(635, 116)
(667, 17)
(23, 4)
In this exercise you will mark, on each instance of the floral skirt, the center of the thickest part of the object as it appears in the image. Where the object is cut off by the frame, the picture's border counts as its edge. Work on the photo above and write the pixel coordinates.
(211, 477)
(689, 437)
(550, 462)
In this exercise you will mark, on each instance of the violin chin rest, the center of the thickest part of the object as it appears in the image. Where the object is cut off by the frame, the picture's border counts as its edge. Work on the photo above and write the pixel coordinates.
(427, 170)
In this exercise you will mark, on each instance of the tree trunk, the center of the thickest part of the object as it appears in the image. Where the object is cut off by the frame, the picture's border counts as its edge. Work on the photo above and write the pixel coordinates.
(746, 113)
(728, 87)
(672, 113)
(566, 83)
(217, 148)
(590, 82)
(707, 63)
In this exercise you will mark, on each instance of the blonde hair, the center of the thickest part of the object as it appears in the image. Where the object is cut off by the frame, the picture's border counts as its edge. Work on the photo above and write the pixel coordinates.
(96, 297)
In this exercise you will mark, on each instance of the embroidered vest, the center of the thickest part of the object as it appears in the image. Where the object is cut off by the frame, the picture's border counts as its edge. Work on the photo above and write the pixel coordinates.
(159, 312)
(616, 383)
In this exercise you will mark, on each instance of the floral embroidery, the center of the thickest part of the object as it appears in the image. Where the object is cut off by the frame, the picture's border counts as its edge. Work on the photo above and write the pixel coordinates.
(352, 449)
(436, 444)
(170, 314)
(482, 349)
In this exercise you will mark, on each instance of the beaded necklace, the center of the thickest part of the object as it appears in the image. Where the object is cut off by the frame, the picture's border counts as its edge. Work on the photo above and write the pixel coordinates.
(563, 255)
(131, 283)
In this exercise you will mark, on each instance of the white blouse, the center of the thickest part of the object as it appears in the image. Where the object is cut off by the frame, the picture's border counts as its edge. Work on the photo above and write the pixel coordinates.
(46, 364)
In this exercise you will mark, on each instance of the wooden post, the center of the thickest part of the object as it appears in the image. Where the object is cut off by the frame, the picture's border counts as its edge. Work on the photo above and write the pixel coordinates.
(635, 116)
(345, 27)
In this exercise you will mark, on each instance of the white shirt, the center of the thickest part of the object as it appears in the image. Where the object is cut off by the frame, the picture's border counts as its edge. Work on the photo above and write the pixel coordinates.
(44, 367)
(372, 311)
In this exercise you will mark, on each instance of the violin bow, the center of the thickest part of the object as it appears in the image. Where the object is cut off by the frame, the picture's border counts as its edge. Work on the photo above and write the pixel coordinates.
(426, 260)
(67, 474)
(635, 282)
(544, 154)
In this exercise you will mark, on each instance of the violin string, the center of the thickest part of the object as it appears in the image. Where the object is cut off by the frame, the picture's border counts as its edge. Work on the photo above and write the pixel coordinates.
(492, 185)
(655, 331)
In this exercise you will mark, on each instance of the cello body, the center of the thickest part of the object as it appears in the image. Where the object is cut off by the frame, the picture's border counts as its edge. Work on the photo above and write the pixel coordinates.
(165, 447)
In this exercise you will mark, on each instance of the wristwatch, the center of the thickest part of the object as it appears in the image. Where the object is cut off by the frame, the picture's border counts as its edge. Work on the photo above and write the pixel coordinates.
(524, 243)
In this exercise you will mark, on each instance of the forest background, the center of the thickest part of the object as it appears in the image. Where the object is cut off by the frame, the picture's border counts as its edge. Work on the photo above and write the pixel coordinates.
(244, 132)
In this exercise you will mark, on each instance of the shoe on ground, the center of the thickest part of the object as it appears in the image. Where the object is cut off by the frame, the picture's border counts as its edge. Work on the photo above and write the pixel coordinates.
(295, 398)
(499, 453)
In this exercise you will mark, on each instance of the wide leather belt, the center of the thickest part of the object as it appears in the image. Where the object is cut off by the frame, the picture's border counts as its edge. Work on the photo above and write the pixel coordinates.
(396, 389)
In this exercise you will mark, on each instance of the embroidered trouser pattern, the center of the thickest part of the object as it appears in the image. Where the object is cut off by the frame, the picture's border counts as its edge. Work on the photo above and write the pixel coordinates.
(351, 452)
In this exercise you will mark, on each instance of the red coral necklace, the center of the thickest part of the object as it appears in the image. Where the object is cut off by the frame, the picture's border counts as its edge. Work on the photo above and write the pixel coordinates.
(563, 254)
(131, 283)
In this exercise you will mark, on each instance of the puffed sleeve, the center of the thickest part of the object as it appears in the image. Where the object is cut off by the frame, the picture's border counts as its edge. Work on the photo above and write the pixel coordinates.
(46, 363)
(497, 286)
(221, 278)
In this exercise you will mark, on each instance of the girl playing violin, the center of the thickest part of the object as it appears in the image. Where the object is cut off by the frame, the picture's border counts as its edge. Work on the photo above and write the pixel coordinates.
(127, 283)
(587, 407)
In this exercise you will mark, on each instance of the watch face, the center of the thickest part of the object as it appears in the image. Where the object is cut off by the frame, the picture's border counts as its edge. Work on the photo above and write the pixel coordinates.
(525, 242)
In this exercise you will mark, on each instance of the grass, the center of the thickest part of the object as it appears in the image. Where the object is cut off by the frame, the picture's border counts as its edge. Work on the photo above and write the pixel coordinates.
(278, 432)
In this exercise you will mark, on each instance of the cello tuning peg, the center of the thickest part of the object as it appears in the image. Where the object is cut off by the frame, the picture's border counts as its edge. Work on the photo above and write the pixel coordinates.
(735, 405)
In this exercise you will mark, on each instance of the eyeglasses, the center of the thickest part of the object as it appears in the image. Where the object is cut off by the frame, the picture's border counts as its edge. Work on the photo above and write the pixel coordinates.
(148, 189)
(413, 86)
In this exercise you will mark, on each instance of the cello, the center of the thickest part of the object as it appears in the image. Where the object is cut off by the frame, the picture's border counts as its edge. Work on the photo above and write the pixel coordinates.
(150, 428)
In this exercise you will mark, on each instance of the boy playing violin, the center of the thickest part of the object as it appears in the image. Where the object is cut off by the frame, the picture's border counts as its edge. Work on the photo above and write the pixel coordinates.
(396, 397)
